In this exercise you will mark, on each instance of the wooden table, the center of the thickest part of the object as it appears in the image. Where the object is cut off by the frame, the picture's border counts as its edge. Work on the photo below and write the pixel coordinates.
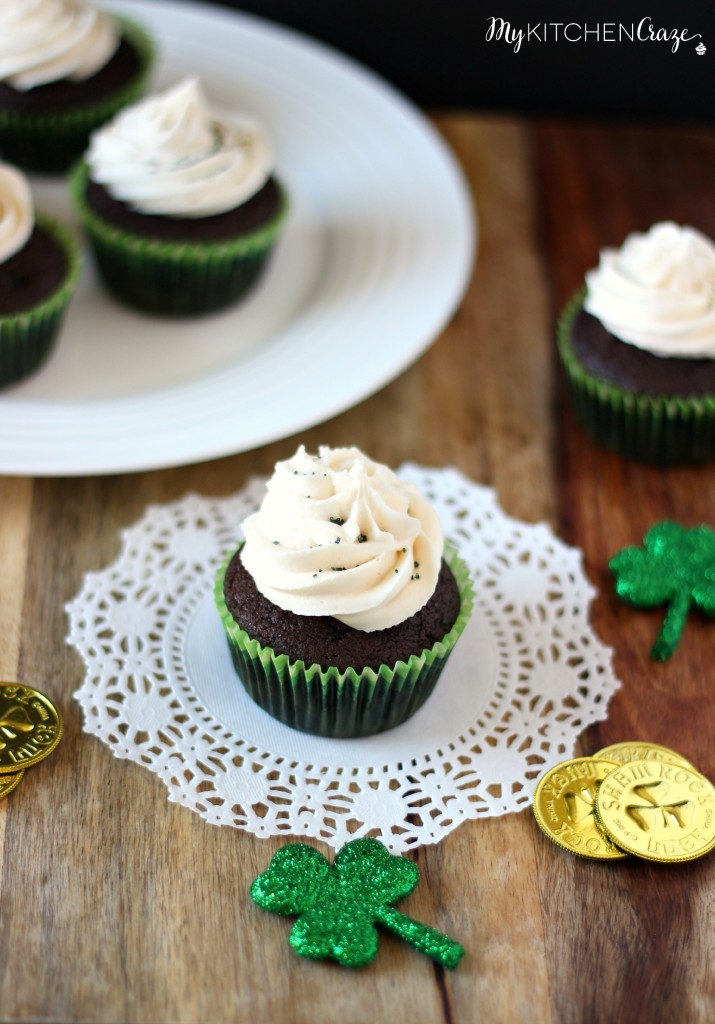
(118, 906)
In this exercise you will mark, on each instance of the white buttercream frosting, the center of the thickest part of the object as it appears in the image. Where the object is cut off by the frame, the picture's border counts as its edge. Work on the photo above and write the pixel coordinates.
(658, 292)
(172, 155)
(340, 535)
(45, 40)
(17, 214)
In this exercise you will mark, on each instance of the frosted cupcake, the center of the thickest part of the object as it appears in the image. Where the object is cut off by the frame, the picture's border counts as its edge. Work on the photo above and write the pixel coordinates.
(65, 68)
(638, 345)
(39, 267)
(342, 606)
(181, 206)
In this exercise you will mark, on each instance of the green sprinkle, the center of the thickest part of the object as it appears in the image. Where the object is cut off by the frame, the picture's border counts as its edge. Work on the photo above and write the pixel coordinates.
(362, 538)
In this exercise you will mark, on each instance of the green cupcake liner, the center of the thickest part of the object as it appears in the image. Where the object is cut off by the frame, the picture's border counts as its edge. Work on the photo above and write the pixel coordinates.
(170, 278)
(51, 142)
(338, 704)
(26, 338)
(660, 429)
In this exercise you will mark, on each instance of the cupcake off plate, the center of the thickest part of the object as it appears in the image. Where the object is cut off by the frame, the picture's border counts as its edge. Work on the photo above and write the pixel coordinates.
(377, 251)
(524, 679)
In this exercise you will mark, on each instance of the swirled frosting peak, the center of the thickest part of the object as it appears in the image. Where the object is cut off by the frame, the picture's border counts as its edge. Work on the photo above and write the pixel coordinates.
(658, 292)
(46, 40)
(340, 535)
(171, 155)
(17, 216)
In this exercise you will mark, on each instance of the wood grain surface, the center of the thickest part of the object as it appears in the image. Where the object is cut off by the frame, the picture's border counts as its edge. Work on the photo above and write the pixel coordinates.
(116, 906)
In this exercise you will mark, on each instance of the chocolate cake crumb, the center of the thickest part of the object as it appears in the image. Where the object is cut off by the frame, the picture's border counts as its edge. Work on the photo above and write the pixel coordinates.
(325, 640)
(66, 94)
(32, 274)
(259, 209)
(604, 356)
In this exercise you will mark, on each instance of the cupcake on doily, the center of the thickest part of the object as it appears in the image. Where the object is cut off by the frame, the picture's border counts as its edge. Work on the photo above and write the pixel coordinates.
(638, 345)
(343, 605)
(39, 268)
(65, 68)
(180, 205)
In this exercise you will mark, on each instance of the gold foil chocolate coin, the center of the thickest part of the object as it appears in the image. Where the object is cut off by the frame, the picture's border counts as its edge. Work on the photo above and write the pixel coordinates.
(30, 727)
(563, 807)
(657, 810)
(624, 752)
(9, 781)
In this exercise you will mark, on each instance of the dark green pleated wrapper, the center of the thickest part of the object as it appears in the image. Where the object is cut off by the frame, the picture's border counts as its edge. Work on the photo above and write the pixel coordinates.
(170, 278)
(51, 142)
(26, 338)
(660, 429)
(341, 704)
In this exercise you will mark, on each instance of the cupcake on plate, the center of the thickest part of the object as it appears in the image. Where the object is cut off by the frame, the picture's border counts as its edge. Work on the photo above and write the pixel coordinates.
(39, 268)
(638, 346)
(343, 604)
(180, 205)
(65, 68)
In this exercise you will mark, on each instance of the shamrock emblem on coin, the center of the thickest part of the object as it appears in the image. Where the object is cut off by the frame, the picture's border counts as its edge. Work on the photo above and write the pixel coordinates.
(654, 811)
(30, 727)
(14, 720)
(675, 566)
(340, 904)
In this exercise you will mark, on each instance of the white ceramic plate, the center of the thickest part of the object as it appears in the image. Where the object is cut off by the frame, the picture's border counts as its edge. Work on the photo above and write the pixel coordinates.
(376, 254)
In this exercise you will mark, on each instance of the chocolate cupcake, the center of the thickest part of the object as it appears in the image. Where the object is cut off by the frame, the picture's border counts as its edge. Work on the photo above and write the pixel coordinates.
(340, 609)
(65, 69)
(638, 346)
(39, 268)
(181, 207)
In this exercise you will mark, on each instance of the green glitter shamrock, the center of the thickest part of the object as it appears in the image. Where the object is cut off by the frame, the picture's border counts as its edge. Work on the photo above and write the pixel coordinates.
(675, 566)
(339, 905)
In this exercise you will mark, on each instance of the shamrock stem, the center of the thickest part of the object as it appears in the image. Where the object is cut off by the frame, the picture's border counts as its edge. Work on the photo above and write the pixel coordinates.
(428, 940)
(673, 625)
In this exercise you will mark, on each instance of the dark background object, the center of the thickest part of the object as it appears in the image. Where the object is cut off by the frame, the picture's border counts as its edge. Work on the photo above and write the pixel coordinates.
(438, 53)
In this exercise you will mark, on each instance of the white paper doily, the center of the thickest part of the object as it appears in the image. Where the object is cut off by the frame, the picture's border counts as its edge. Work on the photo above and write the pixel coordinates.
(527, 676)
